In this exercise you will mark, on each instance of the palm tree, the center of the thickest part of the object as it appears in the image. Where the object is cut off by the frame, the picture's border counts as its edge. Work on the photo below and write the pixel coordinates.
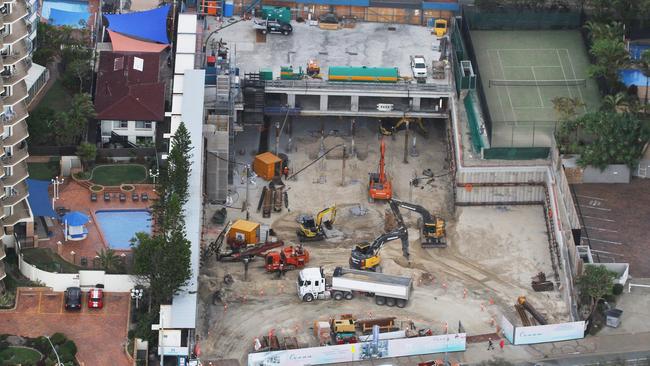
(611, 56)
(644, 65)
(613, 30)
(618, 102)
(108, 260)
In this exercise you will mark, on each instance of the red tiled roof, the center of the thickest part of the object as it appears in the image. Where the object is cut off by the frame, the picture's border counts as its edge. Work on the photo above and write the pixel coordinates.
(128, 87)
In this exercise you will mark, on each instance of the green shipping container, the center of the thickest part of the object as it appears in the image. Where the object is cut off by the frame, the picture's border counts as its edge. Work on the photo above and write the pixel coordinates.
(266, 74)
(363, 74)
(280, 13)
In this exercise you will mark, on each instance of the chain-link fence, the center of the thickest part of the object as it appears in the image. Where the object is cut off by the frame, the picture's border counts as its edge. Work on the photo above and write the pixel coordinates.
(521, 19)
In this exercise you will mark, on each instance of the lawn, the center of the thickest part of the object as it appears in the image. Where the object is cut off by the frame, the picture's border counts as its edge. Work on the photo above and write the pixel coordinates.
(114, 175)
(57, 98)
(47, 260)
(43, 171)
(19, 356)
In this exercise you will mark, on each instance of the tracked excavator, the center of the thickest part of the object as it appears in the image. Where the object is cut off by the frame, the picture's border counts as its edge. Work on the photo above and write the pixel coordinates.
(388, 126)
(311, 229)
(365, 256)
(379, 186)
(433, 230)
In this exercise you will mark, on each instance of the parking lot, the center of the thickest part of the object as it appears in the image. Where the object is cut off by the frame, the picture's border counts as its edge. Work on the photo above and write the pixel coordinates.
(100, 334)
(614, 220)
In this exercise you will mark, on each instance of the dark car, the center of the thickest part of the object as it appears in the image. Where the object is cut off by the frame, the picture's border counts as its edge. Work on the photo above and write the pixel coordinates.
(72, 298)
(277, 27)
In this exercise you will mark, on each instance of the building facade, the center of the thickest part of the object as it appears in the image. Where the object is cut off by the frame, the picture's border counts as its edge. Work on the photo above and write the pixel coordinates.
(17, 32)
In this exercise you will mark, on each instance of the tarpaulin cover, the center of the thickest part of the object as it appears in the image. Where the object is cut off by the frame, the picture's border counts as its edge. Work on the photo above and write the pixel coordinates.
(123, 43)
(150, 25)
(39, 198)
(69, 18)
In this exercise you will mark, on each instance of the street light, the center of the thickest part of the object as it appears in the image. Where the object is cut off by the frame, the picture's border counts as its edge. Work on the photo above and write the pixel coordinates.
(154, 174)
(136, 293)
(73, 254)
(56, 183)
(58, 360)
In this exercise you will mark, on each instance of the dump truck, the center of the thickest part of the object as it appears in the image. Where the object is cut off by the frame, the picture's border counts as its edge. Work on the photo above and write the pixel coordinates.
(387, 289)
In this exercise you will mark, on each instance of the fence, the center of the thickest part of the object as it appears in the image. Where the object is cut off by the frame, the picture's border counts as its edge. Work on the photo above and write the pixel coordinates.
(52, 150)
(473, 121)
(516, 153)
(126, 152)
(521, 19)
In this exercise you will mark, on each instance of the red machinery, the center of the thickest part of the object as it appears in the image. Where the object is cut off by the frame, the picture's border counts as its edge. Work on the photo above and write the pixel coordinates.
(379, 187)
(289, 257)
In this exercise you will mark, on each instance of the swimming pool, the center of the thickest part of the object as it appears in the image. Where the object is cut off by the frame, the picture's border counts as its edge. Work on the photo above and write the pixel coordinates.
(120, 226)
(65, 12)
(636, 77)
(636, 49)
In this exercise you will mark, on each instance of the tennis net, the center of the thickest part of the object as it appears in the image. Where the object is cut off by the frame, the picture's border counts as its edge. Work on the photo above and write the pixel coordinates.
(568, 82)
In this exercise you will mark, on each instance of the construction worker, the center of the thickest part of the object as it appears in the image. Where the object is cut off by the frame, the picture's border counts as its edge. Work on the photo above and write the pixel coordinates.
(490, 344)
(285, 171)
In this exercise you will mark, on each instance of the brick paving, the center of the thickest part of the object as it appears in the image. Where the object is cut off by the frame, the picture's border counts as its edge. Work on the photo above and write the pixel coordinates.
(616, 220)
(100, 334)
(77, 198)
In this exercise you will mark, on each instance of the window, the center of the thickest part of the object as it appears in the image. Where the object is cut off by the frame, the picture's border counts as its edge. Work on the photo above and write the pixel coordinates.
(144, 141)
(118, 63)
(8, 171)
(120, 124)
(143, 125)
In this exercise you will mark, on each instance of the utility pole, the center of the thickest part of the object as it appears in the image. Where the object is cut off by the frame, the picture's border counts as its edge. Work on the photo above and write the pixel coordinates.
(277, 138)
(343, 168)
(245, 206)
(353, 151)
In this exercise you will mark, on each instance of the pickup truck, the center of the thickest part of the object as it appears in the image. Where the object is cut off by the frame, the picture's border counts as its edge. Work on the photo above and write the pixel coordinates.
(387, 289)
(272, 26)
(419, 67)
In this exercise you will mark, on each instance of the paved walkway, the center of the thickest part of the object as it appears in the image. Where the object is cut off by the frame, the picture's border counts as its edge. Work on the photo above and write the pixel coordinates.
(99, 334)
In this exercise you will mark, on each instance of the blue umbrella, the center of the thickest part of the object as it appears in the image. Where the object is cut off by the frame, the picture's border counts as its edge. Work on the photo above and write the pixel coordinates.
(75, 218)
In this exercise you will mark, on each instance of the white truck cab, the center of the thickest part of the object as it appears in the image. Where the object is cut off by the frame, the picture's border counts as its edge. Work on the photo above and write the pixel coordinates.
(311, 284)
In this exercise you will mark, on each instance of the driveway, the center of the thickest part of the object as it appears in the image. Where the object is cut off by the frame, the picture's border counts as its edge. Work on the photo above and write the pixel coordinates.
(100, 334)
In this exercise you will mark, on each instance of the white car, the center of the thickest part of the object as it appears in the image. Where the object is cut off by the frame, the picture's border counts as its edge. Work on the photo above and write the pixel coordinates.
(419, 67)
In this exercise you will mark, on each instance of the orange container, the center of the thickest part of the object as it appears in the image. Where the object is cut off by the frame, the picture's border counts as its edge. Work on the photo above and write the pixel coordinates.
(266, 165)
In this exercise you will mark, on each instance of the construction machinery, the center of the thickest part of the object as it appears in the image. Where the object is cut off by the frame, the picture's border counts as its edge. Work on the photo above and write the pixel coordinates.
(313, 69)
(379, 186)
(440, 27)
(389, 126)
(365, 256)
(286, 259)
(432, 227)
(244, 240)
(311, 229)
(524, 304)
(540, 283)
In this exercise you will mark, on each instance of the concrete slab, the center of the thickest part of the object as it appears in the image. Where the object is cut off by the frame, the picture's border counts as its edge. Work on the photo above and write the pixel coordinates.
(368, 44)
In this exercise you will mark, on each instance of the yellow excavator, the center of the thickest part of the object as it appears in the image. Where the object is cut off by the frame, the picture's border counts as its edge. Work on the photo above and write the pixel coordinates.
(388, 126)
(311, 229)
(365, 256)
(434, 234)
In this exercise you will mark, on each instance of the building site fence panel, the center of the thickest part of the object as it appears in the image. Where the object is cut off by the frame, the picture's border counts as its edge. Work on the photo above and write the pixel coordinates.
(521, 19)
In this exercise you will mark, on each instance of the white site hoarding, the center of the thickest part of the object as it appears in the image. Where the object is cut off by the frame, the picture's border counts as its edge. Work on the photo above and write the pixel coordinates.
(360, 351)
(507, 329)
(549, 333)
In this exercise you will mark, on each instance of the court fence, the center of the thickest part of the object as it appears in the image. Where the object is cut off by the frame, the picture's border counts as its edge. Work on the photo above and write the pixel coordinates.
(509, 18)
(516, 153)
(474, 124)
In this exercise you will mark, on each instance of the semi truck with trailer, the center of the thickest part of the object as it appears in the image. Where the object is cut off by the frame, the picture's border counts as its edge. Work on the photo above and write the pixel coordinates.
(387, 289)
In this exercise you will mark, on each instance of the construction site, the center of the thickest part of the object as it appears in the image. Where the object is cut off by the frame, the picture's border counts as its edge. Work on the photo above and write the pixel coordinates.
(346, 210)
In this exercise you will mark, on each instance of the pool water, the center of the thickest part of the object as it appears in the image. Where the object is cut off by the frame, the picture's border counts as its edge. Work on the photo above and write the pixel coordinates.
(120, 226)
(636, 77)
(636, 49)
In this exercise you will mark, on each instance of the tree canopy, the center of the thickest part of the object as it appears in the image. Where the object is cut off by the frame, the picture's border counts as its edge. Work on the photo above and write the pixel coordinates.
(596, 282)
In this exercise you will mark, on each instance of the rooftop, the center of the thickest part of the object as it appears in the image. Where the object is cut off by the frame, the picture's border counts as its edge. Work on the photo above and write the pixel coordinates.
(129, 88)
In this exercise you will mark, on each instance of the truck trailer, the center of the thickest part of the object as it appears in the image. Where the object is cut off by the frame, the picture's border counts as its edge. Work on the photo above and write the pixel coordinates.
(387, 289)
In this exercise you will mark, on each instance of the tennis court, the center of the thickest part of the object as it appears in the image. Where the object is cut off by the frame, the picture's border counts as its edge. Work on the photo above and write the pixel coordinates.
(522, 72)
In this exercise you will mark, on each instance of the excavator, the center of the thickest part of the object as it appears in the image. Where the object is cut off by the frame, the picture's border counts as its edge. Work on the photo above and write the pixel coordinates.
(365, 256)
(379, 186)
(388, 126)
(311, 229)
(433, 227)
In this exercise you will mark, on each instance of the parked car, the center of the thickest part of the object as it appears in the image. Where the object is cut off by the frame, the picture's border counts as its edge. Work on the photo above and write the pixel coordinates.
(72, 298)
(272, 26)
(95, 298)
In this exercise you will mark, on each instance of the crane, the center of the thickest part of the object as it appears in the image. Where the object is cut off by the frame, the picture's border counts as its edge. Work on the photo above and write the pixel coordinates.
(311, 229)
(379, 186)
(433, 227)
(366, 255)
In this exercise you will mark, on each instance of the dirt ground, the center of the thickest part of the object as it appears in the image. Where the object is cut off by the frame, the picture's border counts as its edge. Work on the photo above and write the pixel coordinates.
(492, 252)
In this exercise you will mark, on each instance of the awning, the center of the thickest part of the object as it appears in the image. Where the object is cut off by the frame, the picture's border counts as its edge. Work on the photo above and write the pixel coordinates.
(69, 18)
(123, 43)
(149, 25)
(39, 198)
(75, 218)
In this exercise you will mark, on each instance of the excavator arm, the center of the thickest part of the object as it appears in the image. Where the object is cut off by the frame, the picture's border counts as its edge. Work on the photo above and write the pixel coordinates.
(426, 216)
(433, 228)
(331, 211)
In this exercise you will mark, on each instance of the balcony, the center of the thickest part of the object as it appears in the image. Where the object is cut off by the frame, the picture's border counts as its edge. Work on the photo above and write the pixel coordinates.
(18, 175)
(17, 156)
(19, 133)
(19, 30)
(18, 11)
(19, 52)
(21, 212)
(18, 73)
(3, 274)
(21, 192)
(2, 252)
(18, 94)
(19, 114)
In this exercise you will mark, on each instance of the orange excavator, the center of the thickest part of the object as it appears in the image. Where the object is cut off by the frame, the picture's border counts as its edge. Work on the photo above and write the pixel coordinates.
(379, 187)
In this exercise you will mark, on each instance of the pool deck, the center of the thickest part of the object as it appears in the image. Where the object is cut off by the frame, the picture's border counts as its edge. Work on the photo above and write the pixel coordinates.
(77, 198)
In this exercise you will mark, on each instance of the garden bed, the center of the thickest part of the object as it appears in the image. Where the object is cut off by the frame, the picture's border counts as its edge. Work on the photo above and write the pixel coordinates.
(47, 260)
(19, 356)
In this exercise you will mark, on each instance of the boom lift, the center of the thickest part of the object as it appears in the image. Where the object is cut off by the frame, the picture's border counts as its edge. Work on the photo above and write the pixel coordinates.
(312, 229)
(366, 255)
(432, 228)
(379, 187)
